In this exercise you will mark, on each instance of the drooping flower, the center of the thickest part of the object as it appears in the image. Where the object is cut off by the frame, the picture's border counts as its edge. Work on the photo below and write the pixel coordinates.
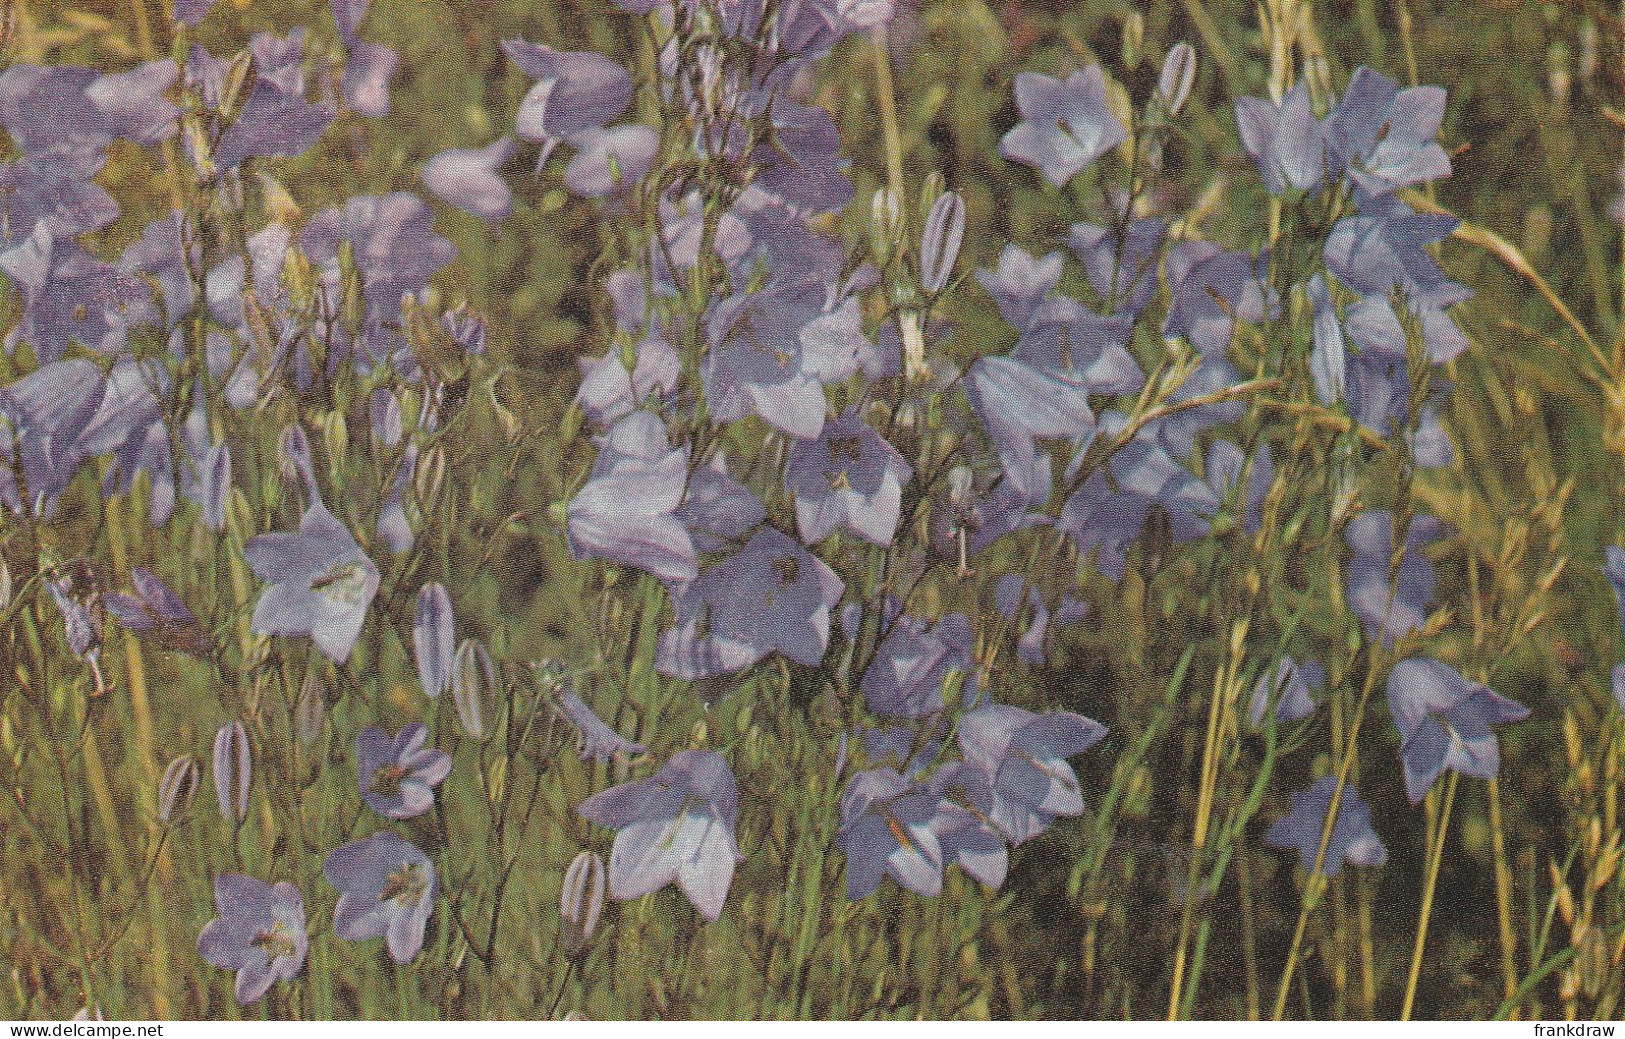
(1023, 755)
(396, 251)
(1353, 839)
(386, 890)
(627, 512)
(772, 595)
(1287, 687)
(1122, 269)
(849, 477)
(133, 102)
(718, 510)
(906, 678)
(1021, 283)
(321, 583)
(275, 120)
(675, 827)
(1225, 465)
(599, 742)
(1445, 722)
(1395, 615)
(398, 773)
(1383, 137)
(1381, 250)
(73, 589)
(258, 931)
(1064, 126)
(1327, 362)
(886, 829)
(468, 179)
(1019, 405)
(1212, 290)
(156, 609)
(1284, 139)
(611, 160)
(772, 351)
(46, 412)
(368, 68)
(575, 91)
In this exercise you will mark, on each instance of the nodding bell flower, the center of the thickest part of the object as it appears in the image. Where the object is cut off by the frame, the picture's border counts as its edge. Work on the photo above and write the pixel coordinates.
(582, 901)
(1353, 840)
(177, 789)
(233, 771)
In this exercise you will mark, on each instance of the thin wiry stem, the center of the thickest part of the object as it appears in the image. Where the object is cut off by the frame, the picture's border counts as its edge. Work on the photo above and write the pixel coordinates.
(1434, 859)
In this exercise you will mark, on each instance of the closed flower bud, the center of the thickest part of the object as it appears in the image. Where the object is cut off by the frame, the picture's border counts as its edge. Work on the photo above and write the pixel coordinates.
(885, 224)
(386, 417)
(434, 638)
(177, 788)
(1133, 39)
(336, 437)
(473, 680)
(944, 232)
(581, 901)
(233, 771)
(5, 584)
(216, 487)
(431, 473)
(293, 458)
(1178, 74)
(298, 282)
(310, 710)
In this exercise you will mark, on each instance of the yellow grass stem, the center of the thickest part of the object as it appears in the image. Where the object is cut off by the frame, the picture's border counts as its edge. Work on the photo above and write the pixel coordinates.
(1503, 893)
(1436, 856)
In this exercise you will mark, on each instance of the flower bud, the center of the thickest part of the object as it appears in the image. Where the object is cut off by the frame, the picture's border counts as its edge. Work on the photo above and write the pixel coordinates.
(473, 680)
(216, 486)
(431, 473)
(1133, 39)
(177, 788)
(310, 710)
(581, 901)
(5, 584)
(233, 771)
(1178, 74)
(467, 330)
(386, 417)
(939, 247)
(434, 638)
(336, 439)
(293, 459)
(885, 224)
